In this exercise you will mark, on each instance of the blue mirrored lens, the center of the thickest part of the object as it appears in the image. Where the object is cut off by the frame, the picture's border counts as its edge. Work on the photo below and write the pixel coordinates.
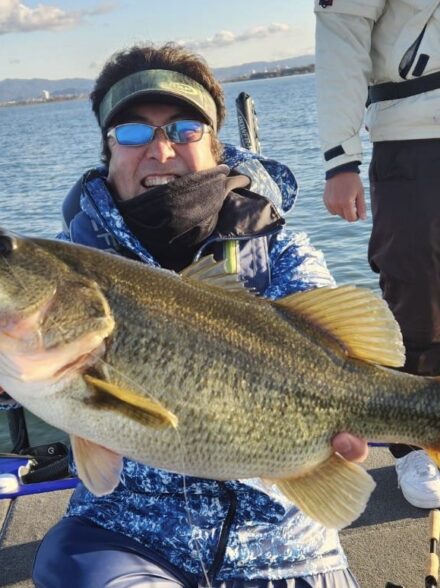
(134, 134)
(185, 131)
(181, 131)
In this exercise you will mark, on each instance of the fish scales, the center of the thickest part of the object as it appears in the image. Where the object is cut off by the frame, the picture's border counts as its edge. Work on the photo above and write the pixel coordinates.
(226, 369)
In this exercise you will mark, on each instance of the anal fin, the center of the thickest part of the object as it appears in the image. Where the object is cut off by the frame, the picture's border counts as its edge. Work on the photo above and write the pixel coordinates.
(334, 493)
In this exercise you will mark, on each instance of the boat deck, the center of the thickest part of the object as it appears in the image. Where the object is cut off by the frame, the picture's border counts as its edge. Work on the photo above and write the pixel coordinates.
(390, 542)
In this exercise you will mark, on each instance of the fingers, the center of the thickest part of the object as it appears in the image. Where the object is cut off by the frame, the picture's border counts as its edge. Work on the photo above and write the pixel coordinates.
(349, 211)
(353, 211)
(344, 196)
(350, 447)
(361, 207)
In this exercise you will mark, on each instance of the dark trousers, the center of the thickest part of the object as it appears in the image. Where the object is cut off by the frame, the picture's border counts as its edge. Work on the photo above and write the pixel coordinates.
(405, 246)
(75, 553)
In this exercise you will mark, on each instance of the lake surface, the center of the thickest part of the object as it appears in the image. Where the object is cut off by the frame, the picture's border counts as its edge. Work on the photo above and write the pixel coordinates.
(44, 148)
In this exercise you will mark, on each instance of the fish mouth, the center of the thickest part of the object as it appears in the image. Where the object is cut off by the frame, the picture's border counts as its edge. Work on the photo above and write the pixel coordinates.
(52, 365)
(63, 334)
(34, 348)
(22, 329)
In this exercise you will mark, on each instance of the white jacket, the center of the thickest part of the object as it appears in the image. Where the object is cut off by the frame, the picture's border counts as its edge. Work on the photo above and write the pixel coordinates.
(361, 43)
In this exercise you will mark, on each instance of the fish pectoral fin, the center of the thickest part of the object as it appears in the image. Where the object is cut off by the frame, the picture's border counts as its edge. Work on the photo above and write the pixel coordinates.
(99, 468)
(334, 493)
(356, 318)
(157, 416)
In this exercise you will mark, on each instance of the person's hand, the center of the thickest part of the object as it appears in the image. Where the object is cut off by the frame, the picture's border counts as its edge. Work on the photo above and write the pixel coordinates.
(350, 447)
(344, 195)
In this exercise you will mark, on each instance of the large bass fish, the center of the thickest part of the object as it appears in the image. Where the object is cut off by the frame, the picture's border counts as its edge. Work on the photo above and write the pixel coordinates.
(193, 374)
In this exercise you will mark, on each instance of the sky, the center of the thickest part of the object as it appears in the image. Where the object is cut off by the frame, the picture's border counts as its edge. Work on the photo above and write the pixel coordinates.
(57, 39)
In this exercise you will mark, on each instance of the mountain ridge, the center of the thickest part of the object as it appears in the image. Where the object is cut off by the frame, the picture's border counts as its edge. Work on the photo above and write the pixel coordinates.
(15, 89)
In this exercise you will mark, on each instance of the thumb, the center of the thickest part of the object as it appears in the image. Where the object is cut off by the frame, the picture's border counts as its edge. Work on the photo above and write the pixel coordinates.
(350, 447)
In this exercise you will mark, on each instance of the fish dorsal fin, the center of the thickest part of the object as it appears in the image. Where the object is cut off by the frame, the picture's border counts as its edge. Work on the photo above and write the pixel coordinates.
(99, 468)
(212, 272)
(156, 415)
(334, 493)
(356, 318)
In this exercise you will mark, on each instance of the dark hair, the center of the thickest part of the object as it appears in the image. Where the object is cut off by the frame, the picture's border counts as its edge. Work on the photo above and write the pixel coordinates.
(169, 56)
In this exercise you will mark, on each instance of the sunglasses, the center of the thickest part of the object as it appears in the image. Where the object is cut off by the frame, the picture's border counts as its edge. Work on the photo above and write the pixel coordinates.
(181, 131)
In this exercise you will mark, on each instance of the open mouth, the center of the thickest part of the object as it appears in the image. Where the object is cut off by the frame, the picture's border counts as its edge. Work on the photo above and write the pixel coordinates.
(159, 180)
(52, 364)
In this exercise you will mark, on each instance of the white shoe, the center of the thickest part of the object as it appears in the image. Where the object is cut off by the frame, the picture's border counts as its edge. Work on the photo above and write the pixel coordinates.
(419, 479)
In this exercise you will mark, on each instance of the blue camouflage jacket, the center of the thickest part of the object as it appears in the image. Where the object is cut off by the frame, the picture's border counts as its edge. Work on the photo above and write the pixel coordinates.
(243, 529)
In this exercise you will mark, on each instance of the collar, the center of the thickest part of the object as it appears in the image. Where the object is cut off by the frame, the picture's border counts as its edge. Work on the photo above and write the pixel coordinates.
(245, 215)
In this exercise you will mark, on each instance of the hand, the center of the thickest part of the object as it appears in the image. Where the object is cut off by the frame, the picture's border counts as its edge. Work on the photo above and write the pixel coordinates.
(350, 447)
(344, 195)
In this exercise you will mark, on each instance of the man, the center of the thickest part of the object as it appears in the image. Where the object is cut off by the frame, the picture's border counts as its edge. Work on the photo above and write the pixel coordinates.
(393, 46)
(164, 197)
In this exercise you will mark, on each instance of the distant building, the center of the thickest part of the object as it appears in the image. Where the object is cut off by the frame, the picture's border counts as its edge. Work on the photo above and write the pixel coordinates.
(46, 95)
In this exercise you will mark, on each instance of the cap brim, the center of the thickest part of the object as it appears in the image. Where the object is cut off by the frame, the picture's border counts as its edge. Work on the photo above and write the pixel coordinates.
(157, 86)
(153, 97)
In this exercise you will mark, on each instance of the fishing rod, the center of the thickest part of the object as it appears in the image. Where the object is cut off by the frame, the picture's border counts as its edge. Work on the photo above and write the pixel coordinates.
(247, 123)
(432, 564)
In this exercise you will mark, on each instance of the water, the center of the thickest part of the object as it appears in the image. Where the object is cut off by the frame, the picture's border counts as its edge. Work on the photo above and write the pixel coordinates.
(44, 148)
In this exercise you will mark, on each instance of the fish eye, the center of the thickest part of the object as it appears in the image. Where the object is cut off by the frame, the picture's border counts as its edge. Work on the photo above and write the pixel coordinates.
(7, 244)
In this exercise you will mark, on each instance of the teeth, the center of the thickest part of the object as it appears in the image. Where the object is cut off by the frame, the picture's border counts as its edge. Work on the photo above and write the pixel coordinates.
(158, 180)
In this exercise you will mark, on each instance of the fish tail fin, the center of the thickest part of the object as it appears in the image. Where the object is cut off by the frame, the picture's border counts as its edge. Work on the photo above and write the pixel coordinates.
(433, 450)
(434, 454)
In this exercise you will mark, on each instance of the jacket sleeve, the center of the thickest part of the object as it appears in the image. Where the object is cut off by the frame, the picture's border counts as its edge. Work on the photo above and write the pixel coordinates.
(343, 71)
(295, 266)
(8, 403)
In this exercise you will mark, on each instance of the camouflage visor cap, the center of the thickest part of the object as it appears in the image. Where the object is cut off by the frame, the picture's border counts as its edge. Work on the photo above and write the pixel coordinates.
(161, 82)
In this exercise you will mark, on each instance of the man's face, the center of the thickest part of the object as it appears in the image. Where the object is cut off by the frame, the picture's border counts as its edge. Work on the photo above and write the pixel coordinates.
(132, 170)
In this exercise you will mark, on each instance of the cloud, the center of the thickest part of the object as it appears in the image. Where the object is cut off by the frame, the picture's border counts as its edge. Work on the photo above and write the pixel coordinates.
(16, 17)
(103, 8)
(227, 38)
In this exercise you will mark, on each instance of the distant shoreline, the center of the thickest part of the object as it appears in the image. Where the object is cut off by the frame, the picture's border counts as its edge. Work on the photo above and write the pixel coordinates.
(276, 73)
(256, 75)
(32, 101)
